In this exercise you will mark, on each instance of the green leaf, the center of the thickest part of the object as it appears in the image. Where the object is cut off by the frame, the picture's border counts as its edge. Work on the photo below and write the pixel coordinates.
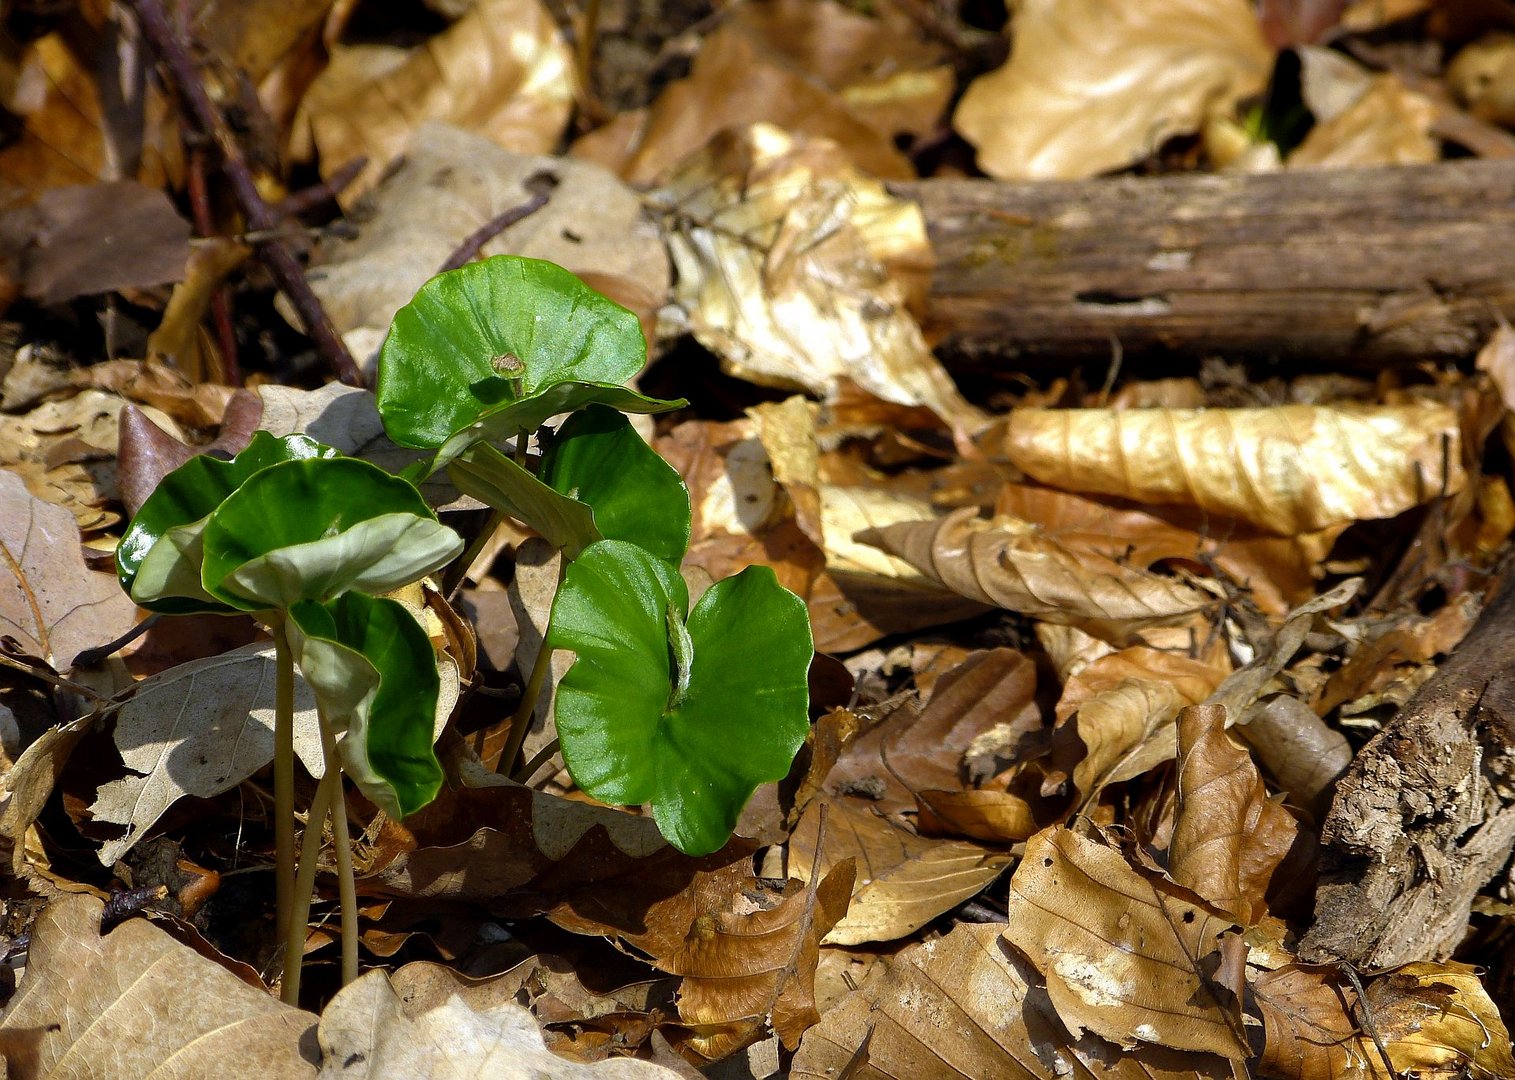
(494, 479)
(311, 530)
(374, 675)
(599, 458)
(184, 498)
(689, 717)
(493, 335)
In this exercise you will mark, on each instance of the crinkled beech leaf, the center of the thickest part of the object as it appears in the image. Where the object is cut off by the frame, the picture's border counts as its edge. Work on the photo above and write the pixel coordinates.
(500, 346)
(311, 530)
(166, 577)
(688, 715)
(372, 669)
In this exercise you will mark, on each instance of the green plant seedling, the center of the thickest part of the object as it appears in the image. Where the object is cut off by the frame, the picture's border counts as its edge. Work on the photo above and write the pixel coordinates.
(496, 348)
(599, 481)
(687, 711)
(165, 577)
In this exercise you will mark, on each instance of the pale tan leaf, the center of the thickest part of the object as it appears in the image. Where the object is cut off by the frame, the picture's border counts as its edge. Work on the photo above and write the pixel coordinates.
(370, 1032)
(135, 1003)
(903, 880)
(50, 602)
(1093, 85)
(1228, 836)
(1388, 125)
(1125, 955)
(501, 70)
(451, 183)
(966, 1005)
(753, 965)
(797, 270)
(1292, 469)
(1303, 755)
(1012, 564)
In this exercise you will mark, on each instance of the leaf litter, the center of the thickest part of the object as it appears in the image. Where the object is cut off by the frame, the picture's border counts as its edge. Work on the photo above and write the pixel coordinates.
(1128, 672)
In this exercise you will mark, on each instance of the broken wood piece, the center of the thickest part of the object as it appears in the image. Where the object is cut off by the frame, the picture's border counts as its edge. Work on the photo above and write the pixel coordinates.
(1373, 266)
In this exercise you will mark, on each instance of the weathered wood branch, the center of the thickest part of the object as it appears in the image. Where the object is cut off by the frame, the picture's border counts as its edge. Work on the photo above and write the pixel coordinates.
(1384, 266)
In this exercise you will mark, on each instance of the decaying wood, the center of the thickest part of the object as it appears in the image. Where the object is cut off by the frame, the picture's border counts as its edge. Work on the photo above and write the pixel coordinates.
(1425, 816)
(1377, 266)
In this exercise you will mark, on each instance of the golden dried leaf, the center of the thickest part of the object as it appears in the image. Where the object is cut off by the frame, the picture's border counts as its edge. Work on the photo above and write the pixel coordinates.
(1291, 469)
(1389, 124)
(1228, 836)
(903, 880)
(502, 70)
(753, 964)
(966, 1005)
(732, 85)
(1435, 1020)
(1482, 76)
(1093, 85)
(1013, 564)
(1123, 708)
(1125, 954)
(798, 270)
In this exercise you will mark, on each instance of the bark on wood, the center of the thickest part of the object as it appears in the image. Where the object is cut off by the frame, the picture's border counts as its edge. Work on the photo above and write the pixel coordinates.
(1377, 266)
(1425, 816)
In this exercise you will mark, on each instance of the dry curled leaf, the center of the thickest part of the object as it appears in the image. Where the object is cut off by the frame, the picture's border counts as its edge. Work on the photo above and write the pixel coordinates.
(798, 270)
(50, 602)
(753, 965)
(1228, 836)
(1389, 124)
(1124, 953)
(135, 1003)
(968, 1005)
(501, 70)
(1262, 465)
(1093, 85)
(1013, 564)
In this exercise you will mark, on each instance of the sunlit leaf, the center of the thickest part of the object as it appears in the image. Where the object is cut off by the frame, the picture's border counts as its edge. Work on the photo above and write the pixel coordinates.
(689, 716)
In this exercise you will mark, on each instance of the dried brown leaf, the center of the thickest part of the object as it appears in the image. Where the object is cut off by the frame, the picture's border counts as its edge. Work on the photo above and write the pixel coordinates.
(1093, 85)
(967, 1005)
(1291, 469)
(50, 602)
(1013, 564)
(1303, 755)
(753, 965)
(1125, 954)
(797, 270)
(733, 85)
(501, 70)
(1389, 124)
(1228, 836)
(903, 880)
(135, 1003)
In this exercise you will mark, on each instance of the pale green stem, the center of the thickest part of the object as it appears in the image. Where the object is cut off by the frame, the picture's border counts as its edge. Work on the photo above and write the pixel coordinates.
(347, 891)
(530, 768)
(521, 721)
(305, 884)
(457, 571)
(284, 795)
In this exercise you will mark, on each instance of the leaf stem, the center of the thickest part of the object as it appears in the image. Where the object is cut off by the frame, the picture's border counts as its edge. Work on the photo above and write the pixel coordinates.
(457, 571)
(284, 797)
(305, 884)
(521, 721)
(347, 892)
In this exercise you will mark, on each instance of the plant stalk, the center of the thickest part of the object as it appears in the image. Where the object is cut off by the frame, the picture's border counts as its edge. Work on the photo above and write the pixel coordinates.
(305, 884)
(347, 891)
(457, 570)
(520, 722)
(284, 797)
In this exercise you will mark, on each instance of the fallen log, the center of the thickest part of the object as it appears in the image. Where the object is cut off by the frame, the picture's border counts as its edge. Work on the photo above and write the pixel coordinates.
(1372, 267)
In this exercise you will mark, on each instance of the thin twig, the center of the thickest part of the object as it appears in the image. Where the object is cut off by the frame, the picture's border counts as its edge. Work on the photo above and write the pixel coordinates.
(220, 299)
(469, 249)
(298, 202)
(286, 269)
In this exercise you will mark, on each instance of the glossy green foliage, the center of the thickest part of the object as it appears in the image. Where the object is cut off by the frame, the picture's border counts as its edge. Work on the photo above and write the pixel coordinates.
(500, 346)
(179, 505)
(598, 458)
(599, 481)
(690, 715)
(311, 530)
(374, 675)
